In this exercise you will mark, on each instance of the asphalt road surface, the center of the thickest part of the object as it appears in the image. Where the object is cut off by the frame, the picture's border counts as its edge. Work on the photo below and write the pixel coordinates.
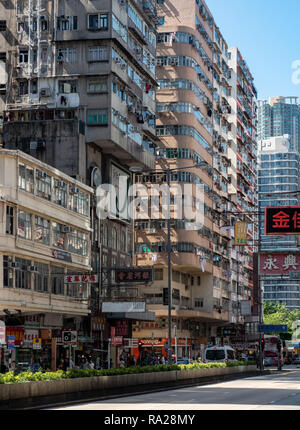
(276, 391)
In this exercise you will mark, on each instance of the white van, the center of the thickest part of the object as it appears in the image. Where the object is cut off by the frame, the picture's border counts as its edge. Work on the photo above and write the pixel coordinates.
(218, 354)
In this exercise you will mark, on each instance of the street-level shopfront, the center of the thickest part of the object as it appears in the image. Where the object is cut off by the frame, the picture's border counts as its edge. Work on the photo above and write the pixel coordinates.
(159, 347)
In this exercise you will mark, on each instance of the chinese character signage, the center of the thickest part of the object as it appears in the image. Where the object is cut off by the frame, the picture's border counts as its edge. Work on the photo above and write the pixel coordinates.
(80, 279)
(133, 275)
(278, 264)
(282, 220)
(240, 233)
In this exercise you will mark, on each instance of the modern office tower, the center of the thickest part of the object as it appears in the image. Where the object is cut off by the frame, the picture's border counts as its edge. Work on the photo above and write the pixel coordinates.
(278, 117)
(81, 98)
(192, 108)
(278, 172)
(242, 152)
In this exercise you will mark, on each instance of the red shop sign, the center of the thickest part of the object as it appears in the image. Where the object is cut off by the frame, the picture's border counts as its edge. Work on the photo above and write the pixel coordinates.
(17, 332)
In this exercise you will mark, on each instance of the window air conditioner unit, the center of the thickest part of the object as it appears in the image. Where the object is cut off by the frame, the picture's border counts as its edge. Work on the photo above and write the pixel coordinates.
(11, 264)
(66, 229)
(45, 92)
(152, 230)
(32, 269)
(123, 66)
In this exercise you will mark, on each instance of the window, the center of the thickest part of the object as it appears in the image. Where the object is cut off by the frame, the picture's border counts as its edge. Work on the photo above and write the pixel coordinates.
(78, 201)
(159, 274)
(123, 241)
(97, 117)
(119, 28)
(135, 17)
(23, 56)
(9, 220)
(44, 25)
(23, 274)
(43, 185)
(98, 21)
(3, 57)
(68, 86)
(57, 280)
(24, 225)
(41, 277)
(97, 86)
(114, 238)
(59, 194)
(26, 181)
(23, 88)
(67, 23)
(98, 53)
(7, 272)
(58, 236)
(2, 25)
(42, 230)
(68, 55)
(78, 242)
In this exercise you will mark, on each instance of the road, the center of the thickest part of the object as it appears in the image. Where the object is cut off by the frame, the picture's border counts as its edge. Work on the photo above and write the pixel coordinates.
(275, 391)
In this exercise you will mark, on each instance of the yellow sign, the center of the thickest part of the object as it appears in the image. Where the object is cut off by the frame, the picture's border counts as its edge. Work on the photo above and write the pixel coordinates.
(37, 340)
(240, 233)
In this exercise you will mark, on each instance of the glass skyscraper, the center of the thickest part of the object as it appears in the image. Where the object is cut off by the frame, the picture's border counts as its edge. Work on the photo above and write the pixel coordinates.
(279, 172)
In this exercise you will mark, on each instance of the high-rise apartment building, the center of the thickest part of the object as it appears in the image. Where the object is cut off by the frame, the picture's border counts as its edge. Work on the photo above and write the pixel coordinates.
(193, 111)
(278, 172)
(279, 116)
(242, 152)
(80, 96)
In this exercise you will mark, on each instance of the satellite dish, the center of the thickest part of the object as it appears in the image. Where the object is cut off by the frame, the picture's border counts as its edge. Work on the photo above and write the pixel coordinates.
(96, 177)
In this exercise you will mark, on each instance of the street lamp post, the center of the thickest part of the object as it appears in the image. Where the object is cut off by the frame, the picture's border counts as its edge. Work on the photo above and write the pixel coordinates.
(169, 248)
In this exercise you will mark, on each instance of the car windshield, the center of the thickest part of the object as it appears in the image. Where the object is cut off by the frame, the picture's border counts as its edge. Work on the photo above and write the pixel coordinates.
(215, 354)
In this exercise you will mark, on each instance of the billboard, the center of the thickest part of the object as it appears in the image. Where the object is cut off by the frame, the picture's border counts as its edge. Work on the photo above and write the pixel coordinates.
(278, 264)
(240, 233)
(281, 220)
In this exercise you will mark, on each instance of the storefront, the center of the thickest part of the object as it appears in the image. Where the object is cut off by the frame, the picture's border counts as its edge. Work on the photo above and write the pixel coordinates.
(151, 348)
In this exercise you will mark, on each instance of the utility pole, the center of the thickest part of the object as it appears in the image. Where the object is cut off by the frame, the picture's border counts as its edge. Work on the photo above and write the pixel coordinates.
(169, 279)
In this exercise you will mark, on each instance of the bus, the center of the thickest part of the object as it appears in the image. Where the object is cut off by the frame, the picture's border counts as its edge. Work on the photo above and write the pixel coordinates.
(271, 352)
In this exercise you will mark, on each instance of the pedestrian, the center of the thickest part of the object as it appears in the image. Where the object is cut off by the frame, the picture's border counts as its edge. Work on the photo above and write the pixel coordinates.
(84, 364)
(91, 364)
(12, 366)
(65, 365)
(122, 363)
(163, 360)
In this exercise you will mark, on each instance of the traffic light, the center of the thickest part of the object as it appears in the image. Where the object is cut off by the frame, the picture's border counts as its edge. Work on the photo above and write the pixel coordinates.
(140, 344)
(262, 343)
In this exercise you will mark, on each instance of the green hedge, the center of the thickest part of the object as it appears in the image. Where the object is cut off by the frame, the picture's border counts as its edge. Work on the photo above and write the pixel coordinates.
(27, 376)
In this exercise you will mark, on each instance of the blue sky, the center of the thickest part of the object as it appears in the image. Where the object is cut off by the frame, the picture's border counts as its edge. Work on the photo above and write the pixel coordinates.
(267, 32)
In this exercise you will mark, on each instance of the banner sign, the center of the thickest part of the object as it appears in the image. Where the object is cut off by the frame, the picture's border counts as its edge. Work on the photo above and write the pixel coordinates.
(133, 275)
(240, 233)
(278, 264)
(117, 340)
(282, 220)
(2, 333)
(78, 279)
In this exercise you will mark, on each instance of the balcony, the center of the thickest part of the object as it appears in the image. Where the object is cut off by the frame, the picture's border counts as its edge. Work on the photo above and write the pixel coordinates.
(112, 140)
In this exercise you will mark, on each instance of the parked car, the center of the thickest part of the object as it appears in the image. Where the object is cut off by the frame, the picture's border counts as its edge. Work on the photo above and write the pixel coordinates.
(219, 354)
(296, 359)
